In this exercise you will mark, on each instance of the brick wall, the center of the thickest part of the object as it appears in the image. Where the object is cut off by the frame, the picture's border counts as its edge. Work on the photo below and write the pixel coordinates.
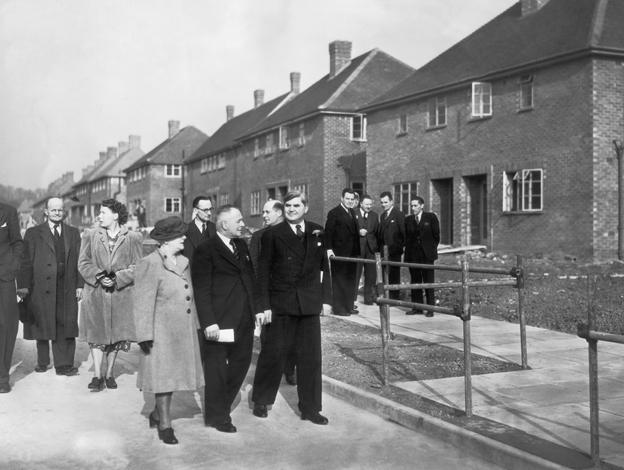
(555, 136)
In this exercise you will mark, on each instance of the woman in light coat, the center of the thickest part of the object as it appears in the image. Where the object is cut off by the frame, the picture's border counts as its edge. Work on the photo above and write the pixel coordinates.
(108, 255)
(166, 324)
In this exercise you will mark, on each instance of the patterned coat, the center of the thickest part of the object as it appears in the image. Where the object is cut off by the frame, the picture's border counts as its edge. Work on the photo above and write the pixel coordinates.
(106, 318)
(164, 312)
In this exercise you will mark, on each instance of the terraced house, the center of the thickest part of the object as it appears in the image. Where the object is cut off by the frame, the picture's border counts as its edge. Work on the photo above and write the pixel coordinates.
(509, 134)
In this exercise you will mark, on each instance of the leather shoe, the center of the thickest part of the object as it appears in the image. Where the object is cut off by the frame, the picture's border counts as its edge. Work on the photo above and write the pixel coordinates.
(291, 378)
(342, 314)
(429, 314)
(260, 411)
(5, 388)
(354, 312)
(97, 384)
(316, 418)
(67, 370)
(110, 382)
(167, 436)
(41, 368)
(224, 427)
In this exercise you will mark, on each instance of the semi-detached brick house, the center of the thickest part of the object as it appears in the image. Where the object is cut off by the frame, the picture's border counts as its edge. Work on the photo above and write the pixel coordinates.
(509, 134)
(316, 141)
(158, 178)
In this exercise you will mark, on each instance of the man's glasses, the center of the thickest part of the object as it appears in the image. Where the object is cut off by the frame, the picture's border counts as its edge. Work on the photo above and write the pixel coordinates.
(209, 209)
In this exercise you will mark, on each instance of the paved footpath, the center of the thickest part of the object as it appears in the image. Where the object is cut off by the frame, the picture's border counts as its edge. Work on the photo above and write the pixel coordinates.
(549, 401)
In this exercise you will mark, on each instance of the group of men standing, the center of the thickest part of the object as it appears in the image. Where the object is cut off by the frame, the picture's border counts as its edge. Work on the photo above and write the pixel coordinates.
(353, 229)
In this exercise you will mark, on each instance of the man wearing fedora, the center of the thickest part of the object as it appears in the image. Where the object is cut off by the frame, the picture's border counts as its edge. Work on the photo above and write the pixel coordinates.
(225, 293)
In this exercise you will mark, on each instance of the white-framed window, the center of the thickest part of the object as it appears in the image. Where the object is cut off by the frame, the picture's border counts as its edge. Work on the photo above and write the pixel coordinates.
(301, 137)
(437, 112)
(481, 99)
(221, 161)
(256, 151)
(526, 92)
(403, 195)
(224, 198)
(254, 205)
(204, 165)
(358, 127)
(523, 190)
(402, 124)
(173, 170)
(302, 188)
(269, 146)
(284, 143)
(172, 204)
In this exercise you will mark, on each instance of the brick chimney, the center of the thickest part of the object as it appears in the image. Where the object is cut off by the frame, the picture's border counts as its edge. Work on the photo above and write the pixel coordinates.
(111, 152)
(295, 82)
(229, 112)
(123, 147)
(86, 170)
(258, 98)
(174, 128)
(339, 56)
(531, 6)
(135, 141)
(102, 156)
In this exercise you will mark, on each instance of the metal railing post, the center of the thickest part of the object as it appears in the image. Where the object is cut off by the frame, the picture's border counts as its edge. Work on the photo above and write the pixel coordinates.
(467, 352)
(594, 410)
(384, 310)
(521, 317)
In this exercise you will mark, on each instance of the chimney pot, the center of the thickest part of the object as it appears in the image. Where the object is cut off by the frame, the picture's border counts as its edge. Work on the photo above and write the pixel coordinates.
(102, 155)
(229, 112)
(135, 141)
(339, 56)
(111, 152)
(123, 147)
(295, 82)
(258, 98)
(174, 128)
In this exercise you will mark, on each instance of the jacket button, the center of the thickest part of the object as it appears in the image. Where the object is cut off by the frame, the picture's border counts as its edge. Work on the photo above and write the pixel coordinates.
(188, 298)
(188, 310)
(186, 286)
(47, 292)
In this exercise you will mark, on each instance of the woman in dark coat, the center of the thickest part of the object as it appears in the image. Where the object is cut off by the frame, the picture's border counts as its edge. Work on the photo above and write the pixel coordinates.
(166, 324)
(107, 258)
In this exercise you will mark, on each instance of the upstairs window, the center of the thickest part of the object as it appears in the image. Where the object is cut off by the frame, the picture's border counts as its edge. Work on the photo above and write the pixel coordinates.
(204, 165)
(283, 138)
(402, 124)
(269, 147)
(301, 138)
(437, 112)
(358, 127)
(302, 188)
(481, 99)
(173, 171)
(526, 92)
(523, 191)
(256, 151)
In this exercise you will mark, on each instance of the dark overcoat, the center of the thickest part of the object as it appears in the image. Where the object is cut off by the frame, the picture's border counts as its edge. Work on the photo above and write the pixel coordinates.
(194, 237)
(423, 235)
(289, 272)
(107, 318)
(38, 275)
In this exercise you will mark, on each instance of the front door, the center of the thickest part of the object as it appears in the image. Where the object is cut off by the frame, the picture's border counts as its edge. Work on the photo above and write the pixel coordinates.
(478, 208)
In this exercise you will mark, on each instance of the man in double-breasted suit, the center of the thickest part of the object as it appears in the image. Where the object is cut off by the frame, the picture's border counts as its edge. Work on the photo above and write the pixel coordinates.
(200, 228)
(342, 239)
(11, 249)
(294, 290)
(225, 293)
(422, 236)
(391, 233)
(53, 285)
(368, 223)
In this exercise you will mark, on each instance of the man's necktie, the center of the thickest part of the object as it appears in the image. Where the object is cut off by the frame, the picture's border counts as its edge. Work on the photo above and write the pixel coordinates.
(203, 228)
(57, 233)
(234, 249)
(299, 232)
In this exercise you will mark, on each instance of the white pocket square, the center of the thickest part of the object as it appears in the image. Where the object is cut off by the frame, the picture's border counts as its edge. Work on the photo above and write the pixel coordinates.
(3, 225)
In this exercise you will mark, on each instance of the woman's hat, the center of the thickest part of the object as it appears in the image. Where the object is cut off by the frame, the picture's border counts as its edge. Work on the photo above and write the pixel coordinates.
(168, 229)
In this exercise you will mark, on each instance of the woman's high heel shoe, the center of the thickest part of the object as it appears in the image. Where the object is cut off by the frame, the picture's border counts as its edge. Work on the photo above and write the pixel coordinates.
(153, 421)
(167, 436)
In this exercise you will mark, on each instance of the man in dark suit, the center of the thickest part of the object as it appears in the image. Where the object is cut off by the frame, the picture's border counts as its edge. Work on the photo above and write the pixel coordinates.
(368, 223)
(51, 281)
(391, 233)
(342, 239)
(11, 250)
(292, 296)
(200, 228)
(422, 236)
(225, 293)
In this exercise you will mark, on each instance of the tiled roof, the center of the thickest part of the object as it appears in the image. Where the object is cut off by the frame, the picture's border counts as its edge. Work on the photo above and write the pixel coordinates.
(512, 42)
(366, 77)
(115, 166)
(225, 137)
(186, 142)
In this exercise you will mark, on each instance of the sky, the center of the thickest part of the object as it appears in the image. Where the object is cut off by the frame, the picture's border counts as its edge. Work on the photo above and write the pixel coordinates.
(78, 76)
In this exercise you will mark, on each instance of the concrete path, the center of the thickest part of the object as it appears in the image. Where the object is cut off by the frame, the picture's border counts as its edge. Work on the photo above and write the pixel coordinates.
(551, 400)
(50, 422)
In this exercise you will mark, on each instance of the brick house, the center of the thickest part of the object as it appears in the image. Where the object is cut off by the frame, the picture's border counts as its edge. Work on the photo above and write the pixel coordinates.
(57, 188)
(316, 141)
(104, 179)
(158, 177)
(213, 170)
(508, 135)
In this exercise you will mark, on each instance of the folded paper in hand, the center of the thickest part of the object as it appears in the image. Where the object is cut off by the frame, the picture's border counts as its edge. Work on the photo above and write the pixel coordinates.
(226, 336)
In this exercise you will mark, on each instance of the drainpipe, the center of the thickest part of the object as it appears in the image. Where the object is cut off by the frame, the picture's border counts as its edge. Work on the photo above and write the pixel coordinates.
(619, 150)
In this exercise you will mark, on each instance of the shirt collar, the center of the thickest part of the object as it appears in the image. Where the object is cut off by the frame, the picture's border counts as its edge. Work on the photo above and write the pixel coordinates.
(225, 240)
(199, 223)
(293, 227)
(51, 225)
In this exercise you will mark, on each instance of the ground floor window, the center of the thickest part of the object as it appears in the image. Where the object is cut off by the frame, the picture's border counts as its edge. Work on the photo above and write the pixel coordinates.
(523, 190)
(172, 204)
(255, 203)
(403, 194)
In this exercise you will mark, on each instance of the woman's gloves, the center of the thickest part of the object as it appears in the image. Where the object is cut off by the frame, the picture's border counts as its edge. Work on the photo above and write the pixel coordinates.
(106, 280)
(146, 346)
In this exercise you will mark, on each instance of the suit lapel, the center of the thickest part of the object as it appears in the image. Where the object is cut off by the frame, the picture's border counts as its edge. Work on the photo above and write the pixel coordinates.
(226, 252)
(46, 234)
(66, 242)
(291, 241)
